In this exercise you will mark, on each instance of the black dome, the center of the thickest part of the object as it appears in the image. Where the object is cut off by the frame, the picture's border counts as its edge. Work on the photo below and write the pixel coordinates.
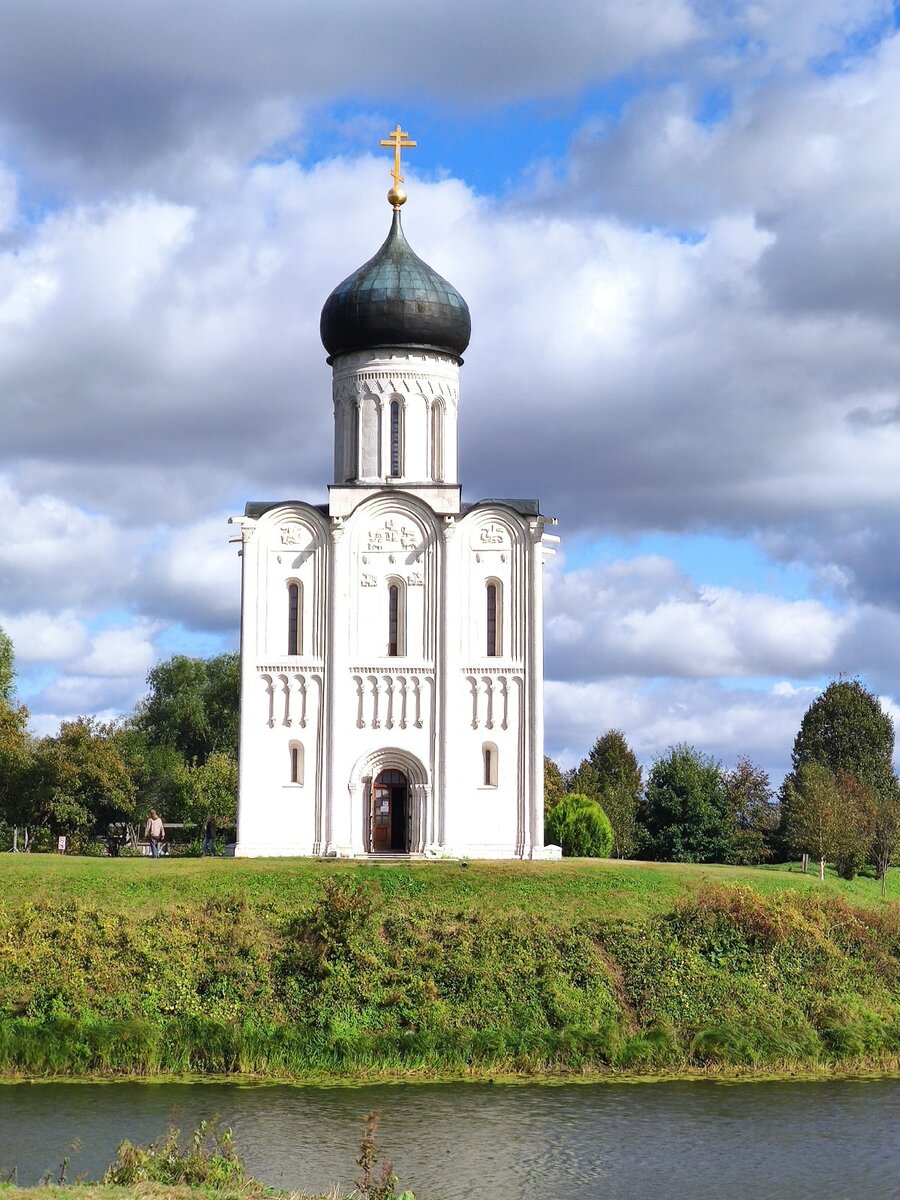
(395, 299)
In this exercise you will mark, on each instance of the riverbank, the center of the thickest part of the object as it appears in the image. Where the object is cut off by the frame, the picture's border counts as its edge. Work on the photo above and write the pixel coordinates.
(314, 971)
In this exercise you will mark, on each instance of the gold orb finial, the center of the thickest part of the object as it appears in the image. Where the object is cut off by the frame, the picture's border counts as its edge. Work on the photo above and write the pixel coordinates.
(397, 139)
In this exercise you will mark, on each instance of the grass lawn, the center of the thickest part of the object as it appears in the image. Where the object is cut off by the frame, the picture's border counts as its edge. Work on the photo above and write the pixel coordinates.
(572, 889)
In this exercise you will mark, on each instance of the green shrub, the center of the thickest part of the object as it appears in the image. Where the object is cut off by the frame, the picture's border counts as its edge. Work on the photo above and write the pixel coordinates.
(580, 826)
(208, 1159)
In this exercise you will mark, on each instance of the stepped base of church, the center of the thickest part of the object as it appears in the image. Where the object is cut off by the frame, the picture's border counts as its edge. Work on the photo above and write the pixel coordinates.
(496, 853)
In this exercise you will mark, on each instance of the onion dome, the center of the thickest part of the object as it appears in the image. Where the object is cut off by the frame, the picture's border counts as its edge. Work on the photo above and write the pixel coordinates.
(395, 299)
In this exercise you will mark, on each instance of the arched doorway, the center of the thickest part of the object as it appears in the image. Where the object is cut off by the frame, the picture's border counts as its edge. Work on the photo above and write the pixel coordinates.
(390, 824)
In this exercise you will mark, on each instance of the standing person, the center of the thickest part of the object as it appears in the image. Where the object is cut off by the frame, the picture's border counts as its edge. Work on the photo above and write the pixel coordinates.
(155, 831)
(209, 837)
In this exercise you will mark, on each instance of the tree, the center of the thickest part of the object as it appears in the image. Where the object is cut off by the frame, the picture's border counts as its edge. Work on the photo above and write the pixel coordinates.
(756, 818)
(160, 775)
(580, 826)
(81, 781)
(847, 733)
(618, 784)
(846, 729)
(812, 810)
(193, 705)
(686, 811)
(7, 667)
(582, 780)
(554, 785)
(212, 788)
(16, 763)
(885, 831)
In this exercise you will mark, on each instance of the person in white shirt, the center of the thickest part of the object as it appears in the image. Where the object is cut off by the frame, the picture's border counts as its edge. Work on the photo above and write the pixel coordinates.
(155, 831)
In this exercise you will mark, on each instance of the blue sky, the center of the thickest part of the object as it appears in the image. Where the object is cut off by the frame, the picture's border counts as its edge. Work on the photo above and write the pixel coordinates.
(676, 224)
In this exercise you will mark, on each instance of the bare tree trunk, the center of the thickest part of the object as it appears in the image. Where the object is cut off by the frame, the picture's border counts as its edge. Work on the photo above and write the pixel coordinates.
(884, 883)
(822, 869)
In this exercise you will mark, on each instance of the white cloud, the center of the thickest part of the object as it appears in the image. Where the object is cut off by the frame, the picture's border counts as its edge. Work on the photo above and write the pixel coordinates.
(643, 616)
(160, 362)
(723, 722)
(117, 652)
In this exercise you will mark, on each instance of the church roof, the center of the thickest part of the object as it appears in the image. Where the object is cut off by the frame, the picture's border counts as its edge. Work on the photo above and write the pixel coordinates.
(258, 508)
(395, 299)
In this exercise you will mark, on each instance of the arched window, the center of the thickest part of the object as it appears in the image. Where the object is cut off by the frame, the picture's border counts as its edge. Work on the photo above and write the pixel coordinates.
(437, 443)
(396, 419)
(489, 765)
(396, 618)
(351, 453)
(295, 618)
(493, 619)
(296, 752)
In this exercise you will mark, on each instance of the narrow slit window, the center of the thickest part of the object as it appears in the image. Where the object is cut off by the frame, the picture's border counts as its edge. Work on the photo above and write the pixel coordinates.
(297, 764)
(493, 646)
(294, 629)
(395, 438)
(351, 466)
(489, 757)
(393, 620)
(437, 444)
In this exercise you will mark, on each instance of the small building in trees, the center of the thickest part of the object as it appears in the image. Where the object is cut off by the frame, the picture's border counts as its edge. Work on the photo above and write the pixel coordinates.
(391, 638)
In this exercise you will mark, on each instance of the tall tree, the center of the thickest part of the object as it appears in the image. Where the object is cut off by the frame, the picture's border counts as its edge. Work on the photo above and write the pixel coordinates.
(885, 831)
(554, 784)
(847, 733)
(7, 667)
(212, 788)
(83, 782)
(16, 762)
(618, 783)
(686, 811)
(812, 808)
(846, 729)
(756, 817)
(193, 705)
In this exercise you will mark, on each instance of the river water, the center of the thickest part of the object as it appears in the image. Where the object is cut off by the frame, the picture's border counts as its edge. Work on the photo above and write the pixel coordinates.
(608, 1141)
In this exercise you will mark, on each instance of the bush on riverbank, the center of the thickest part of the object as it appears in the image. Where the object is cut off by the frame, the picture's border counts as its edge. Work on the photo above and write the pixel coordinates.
(362, 978)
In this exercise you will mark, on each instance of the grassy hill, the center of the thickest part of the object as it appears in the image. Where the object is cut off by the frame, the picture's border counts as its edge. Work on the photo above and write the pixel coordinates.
(300, 968)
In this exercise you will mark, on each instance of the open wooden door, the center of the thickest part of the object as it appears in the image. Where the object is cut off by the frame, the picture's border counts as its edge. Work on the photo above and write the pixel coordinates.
(390, 814)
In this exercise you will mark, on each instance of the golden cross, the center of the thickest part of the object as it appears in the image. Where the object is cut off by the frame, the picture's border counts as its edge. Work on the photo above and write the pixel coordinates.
(397, 139)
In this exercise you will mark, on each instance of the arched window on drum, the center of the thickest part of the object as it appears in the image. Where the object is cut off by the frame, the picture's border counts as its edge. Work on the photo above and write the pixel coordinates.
(493, 598)
(396, 618)
(295, 617)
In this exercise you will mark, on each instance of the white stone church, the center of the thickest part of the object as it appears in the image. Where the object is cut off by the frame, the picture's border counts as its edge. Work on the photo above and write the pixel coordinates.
(391, 639)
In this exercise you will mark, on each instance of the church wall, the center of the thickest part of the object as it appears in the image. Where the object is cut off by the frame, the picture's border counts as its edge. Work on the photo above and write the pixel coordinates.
(489, 816)
(282, 693)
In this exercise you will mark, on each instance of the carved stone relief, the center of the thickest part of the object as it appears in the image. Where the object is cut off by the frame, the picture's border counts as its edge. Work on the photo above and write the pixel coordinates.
(393, 535)
(293, 534)
(492, 535)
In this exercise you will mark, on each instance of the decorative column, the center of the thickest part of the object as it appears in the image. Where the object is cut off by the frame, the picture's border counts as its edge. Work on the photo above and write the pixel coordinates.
(336, 833)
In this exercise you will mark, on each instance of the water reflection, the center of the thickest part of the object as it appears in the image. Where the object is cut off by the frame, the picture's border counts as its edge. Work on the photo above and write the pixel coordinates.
(598, 1141)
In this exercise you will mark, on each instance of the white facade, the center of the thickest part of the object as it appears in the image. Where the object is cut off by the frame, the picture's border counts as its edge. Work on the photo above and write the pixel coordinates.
(392, 641)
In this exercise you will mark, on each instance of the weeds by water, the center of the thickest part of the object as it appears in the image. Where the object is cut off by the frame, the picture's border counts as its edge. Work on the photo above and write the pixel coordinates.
(361, 982)
(208, 1160)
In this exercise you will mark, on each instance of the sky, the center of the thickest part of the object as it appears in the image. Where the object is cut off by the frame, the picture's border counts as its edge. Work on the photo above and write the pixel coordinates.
(677, 226)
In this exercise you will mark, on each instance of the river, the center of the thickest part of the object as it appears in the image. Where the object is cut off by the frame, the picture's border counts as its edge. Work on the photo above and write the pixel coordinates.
(609, 1141)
